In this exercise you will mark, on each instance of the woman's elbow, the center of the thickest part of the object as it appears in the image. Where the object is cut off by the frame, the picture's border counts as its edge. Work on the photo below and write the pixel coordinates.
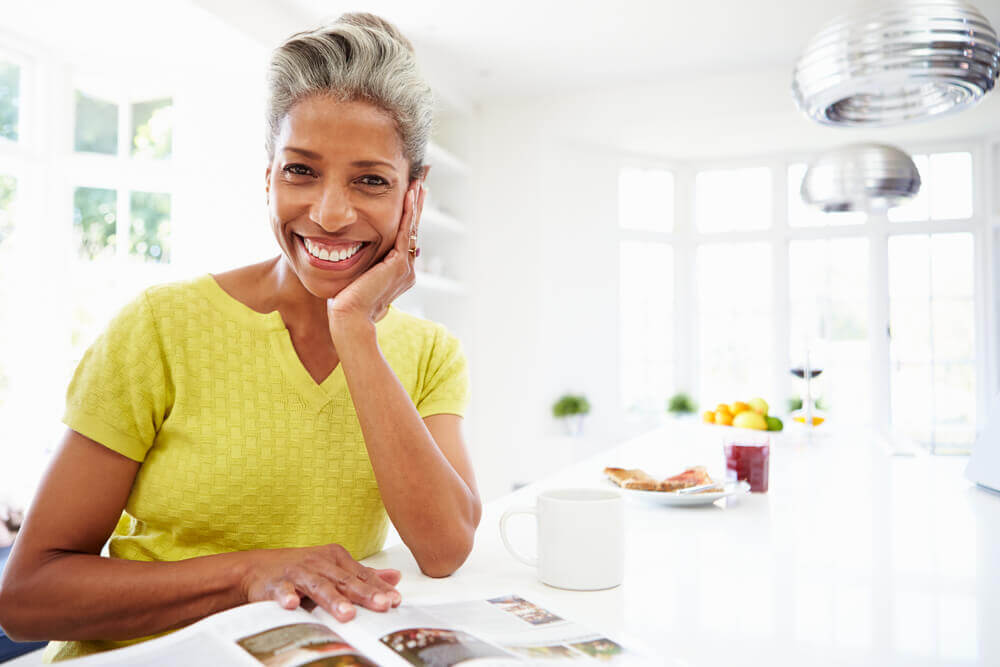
(9, 622)
(448, 556)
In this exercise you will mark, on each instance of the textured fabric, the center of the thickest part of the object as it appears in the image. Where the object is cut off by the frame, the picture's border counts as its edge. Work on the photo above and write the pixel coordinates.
(240, 448)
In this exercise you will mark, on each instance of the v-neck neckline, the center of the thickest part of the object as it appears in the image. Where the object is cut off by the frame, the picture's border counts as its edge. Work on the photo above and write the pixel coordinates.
(318, 394)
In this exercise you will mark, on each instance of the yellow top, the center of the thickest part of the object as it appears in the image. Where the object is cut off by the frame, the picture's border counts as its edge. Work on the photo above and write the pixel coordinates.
(240, 448)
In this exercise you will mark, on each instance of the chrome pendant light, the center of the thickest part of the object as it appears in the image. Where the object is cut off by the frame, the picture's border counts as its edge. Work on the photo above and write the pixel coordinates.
(896, 62)
(860, 177)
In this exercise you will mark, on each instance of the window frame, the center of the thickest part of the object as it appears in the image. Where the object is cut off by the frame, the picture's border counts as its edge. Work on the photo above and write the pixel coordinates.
(984, 226)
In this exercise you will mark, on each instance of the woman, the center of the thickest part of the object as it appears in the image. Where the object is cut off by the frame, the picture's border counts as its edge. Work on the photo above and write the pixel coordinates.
(247, 436)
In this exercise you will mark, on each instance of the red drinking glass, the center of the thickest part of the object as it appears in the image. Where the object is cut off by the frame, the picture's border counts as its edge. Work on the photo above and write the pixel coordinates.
(748, 459)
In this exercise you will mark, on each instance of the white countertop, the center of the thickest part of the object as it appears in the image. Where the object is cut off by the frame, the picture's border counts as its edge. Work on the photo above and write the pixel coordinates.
(853, 557)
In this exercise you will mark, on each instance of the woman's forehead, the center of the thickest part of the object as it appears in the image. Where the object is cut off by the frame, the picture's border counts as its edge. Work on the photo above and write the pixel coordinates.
(334, 129)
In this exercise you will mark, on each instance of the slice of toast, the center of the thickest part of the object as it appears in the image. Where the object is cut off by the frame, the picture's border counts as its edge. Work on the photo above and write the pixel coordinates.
(691, 477)
(632, 479)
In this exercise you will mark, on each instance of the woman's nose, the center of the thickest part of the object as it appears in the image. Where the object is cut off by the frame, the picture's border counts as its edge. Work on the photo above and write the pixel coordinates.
(333, 210)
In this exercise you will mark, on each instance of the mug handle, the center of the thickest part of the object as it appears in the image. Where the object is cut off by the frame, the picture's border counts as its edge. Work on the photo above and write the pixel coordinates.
(527, 560)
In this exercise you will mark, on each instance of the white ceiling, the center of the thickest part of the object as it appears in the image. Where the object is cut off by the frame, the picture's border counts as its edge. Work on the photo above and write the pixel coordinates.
(530, 47)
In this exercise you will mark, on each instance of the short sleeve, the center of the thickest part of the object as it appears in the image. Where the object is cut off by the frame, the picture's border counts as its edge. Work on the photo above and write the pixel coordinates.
(446, 386)
(119, 393)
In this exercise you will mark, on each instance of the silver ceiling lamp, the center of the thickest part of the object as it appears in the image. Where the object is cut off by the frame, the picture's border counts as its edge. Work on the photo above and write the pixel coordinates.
(860, 177)
(896, 62)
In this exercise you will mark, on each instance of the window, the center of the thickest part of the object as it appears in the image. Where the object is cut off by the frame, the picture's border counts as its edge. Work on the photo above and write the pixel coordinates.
(945, 189)
(932, 325)
(646, 199)
(647, 289)
(646, 205)
(10, 100)
(735, 319)
(828, 315)
(733, 199)
(122, 204)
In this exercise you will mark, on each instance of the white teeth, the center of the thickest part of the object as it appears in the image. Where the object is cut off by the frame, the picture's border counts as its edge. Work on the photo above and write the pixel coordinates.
(331, 256)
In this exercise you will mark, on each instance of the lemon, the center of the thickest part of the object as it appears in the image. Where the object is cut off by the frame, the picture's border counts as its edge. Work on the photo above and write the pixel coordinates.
(750, 419)
(723, 418)
(759, 405)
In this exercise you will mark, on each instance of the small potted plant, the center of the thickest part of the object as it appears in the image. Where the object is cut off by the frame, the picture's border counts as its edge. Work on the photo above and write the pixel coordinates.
(571, 409)
(680, 404)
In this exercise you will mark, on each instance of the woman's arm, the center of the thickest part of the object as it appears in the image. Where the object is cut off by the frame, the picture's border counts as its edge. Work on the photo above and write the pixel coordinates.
(57, 586)
(421, 465)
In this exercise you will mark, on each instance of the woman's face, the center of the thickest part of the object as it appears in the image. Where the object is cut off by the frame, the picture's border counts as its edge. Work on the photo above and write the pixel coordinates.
(335, 190)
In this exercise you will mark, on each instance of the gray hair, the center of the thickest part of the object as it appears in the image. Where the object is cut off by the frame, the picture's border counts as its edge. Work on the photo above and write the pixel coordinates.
(359, 57)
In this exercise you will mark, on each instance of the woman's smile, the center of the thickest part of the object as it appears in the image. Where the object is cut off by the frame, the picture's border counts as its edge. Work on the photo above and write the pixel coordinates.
(332, 256)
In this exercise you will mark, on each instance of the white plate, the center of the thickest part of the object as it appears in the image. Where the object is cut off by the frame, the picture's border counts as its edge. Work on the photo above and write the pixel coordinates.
(684, 499)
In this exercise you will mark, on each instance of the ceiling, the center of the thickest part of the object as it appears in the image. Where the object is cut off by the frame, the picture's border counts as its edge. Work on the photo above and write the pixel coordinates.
(520, 48)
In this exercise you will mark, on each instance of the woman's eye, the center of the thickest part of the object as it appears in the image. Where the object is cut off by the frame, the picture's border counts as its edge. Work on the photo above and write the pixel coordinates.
(375, 181)
(297, 169)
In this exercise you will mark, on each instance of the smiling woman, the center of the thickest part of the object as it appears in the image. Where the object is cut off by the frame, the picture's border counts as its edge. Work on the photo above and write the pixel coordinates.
(251, 433)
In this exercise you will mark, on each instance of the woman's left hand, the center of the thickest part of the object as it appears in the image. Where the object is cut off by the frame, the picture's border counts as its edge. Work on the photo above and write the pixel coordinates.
(366, 300)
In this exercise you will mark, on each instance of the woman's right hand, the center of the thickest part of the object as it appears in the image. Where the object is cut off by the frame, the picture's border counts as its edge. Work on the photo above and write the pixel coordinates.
(326, 574)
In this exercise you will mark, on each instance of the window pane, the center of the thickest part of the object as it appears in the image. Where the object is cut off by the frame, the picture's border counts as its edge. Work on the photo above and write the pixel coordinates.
(802, 215)
(94, 217)
(828, 283)
(8, 273)
(8, 192)
(10, 100)
(733, 199)
(96, 125)
(734, 322)
(917, 208)
(951, 190)
(152, 128)
(932, 320)
(150, 234)
(647, 295)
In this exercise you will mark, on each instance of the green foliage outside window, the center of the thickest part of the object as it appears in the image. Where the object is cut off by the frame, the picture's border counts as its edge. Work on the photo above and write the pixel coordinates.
(150, 234)
(10, 94)
(152, 124)
(94, 216)
(8, 190)
(96, 125)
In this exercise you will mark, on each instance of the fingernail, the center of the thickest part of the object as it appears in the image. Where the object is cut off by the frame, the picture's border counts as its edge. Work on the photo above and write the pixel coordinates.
(344, 607)
(396, 599)
(380, 600)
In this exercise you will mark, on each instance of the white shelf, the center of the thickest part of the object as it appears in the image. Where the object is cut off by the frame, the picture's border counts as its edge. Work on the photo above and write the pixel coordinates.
(438, 219)
(438, 157)
(428, 281)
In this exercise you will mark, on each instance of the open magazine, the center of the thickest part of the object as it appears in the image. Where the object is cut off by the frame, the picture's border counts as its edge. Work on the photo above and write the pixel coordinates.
(503, 630)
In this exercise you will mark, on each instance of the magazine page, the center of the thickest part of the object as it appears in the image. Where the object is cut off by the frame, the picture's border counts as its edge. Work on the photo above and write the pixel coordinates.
(501, 630)
(276, 637)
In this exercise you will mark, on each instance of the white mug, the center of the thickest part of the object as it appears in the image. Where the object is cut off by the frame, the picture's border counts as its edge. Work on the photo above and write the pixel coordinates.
(581, 538)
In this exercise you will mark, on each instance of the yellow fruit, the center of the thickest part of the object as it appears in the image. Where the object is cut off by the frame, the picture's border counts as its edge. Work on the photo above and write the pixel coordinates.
(738, 407)
(750, 419)
(723, 418)
(708, 416)
(759, 405)
(816, 420)
(722, 407)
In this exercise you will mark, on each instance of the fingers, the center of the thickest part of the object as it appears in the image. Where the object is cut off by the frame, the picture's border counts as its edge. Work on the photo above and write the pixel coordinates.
(389, 576)
(323, 591)
(285, 594)
(367, 588)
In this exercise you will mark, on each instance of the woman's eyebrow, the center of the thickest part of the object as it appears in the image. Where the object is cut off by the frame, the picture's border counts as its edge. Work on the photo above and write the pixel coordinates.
(357, 163)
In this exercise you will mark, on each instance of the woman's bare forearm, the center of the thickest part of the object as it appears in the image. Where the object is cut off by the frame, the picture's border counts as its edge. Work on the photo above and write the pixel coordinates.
(431, 506)
(77, 596)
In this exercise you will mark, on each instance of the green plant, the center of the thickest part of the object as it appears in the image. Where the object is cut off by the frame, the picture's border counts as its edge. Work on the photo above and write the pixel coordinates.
(681, 404)
(795, 403)
(570, 404)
